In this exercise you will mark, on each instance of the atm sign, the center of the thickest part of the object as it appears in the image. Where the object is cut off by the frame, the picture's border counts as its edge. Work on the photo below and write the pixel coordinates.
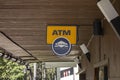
(68, 32)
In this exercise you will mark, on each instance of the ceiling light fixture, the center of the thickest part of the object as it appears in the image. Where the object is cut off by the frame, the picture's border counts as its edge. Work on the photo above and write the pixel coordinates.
(14, 59)
(1, 54)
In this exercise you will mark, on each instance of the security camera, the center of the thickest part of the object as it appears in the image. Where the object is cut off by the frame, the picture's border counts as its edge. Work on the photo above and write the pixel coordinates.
(110, 14)
(85, 51)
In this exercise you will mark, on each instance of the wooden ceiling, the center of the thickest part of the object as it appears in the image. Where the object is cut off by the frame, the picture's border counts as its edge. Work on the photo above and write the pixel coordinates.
(25, 22)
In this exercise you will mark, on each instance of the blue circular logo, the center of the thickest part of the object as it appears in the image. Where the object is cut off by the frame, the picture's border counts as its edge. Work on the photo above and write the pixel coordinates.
(61, 46)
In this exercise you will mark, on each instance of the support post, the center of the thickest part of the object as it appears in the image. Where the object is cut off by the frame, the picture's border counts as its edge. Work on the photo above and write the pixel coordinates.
(35, 71)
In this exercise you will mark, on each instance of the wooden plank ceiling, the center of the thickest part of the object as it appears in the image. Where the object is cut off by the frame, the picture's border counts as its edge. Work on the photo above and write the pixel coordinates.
(25, 22)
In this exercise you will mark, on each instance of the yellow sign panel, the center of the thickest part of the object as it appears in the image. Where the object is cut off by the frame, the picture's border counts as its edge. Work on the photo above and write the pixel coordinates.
(68, 32)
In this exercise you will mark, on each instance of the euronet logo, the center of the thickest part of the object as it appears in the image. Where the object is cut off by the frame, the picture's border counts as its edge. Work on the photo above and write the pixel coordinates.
(61, 44)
